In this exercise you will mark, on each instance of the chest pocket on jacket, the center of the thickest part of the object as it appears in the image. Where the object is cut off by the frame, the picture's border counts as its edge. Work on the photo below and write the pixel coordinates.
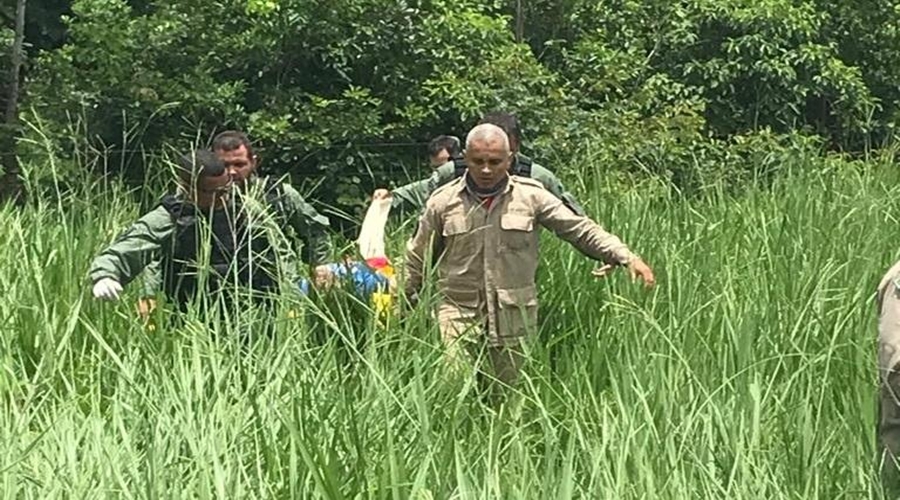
(457, 234)
(455, 225)
(518, 231)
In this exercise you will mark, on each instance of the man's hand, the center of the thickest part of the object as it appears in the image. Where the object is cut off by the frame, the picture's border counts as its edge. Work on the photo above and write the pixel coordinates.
(107, 289)
(639, 269)
(381, 194)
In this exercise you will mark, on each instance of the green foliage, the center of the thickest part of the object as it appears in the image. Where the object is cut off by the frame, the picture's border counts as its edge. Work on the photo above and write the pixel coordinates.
(342, 94)
(748, 373)
(315, 83)
(752, 65)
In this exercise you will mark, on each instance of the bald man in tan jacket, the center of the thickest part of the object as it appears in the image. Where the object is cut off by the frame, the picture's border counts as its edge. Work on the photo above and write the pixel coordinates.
(483, 231)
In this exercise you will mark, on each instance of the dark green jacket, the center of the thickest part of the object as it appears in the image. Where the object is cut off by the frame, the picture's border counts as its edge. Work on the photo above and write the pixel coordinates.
(140, 246)
(415, 194)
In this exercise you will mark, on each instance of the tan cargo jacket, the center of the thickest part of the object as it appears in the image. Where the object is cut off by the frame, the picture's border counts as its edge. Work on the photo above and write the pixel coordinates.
(487, 256)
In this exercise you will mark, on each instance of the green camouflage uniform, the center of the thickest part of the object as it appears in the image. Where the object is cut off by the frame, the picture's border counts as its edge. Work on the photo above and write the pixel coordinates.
(138, 248)
(415, 194)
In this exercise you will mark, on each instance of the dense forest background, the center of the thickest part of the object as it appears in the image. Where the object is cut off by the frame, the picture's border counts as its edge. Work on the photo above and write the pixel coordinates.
(343, 94)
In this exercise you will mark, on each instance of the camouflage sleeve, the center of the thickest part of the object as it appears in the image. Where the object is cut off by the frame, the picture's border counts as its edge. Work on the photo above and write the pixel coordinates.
(133, 250)
(415, 194)
(581, 232)
(309, 224)
(555, 186)
(412, 195)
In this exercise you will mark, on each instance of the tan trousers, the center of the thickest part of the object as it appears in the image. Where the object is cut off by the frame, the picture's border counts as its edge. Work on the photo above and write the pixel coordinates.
(888, 431)
(464, 334)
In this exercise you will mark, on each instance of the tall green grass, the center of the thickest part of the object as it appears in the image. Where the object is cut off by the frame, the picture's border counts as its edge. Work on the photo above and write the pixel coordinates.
(747, 373)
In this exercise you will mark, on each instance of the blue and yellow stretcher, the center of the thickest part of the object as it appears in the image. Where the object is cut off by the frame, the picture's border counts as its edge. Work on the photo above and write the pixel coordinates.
(373, 276)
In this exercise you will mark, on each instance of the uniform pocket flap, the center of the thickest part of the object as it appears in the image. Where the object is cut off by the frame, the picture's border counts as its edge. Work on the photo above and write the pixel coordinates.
(455, 225)
(463, 297)
(517, 222)
(517, 297)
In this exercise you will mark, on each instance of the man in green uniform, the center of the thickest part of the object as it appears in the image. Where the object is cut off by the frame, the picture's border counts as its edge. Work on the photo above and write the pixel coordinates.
(234, 149)
(208, 244)
(414, 195)
(173, 231)
(293, 213)
(482, 230)
(442, 149)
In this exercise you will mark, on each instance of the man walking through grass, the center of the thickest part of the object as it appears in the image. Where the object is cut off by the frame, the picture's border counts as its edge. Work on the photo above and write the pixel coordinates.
(482, 232)
(236, 152)
(292, 214)
(209, 246)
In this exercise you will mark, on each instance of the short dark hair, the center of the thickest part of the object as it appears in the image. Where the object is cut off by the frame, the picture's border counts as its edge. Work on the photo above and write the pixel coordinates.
(449, 142)
(230, 140)
(507, 121)
(199, 163)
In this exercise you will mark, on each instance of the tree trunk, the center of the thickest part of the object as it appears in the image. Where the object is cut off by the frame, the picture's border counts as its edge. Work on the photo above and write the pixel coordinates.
(12, 187)
(520, 21)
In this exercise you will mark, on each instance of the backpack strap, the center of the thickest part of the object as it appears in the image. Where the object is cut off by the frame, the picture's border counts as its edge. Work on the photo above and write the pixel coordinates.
(459, 167)
(523, 166)
(274, 196)
(272, 191)
(182, 213)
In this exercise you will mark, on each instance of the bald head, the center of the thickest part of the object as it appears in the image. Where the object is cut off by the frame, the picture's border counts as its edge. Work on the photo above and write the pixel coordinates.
(487, 155)
(488, 134)
(509, 123)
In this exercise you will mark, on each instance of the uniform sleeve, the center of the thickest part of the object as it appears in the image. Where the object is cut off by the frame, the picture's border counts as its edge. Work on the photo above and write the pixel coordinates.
(133, 250)
(415, 194)
(555, 186)
(152, 279)
(424, 246)
(309, 224)
(581, 232)
(412, 195)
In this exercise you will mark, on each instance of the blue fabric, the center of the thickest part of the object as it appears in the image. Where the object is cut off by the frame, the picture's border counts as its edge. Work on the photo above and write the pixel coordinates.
(365, 280)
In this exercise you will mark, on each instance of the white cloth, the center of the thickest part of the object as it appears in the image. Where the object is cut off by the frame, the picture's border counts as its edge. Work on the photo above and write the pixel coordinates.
(371, 234)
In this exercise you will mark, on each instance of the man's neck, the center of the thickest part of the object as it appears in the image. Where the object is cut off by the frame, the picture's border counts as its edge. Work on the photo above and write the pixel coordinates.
(486, 193)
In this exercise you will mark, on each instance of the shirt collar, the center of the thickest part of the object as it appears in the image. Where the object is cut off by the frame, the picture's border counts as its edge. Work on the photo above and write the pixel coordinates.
(462, 184)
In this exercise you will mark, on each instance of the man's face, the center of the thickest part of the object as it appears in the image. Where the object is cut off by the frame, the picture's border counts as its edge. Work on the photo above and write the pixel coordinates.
(212, 189)
(442, 157)
(238, 164)
(487, 161)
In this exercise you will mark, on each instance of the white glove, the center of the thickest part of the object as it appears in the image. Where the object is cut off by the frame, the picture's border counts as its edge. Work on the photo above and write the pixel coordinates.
(107, 289)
